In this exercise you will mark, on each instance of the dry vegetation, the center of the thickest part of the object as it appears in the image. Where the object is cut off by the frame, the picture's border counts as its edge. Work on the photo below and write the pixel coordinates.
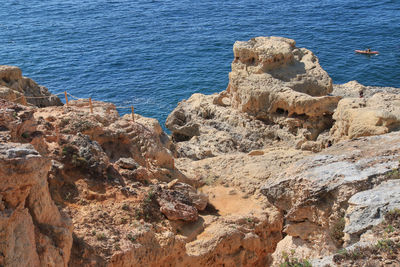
(386, 251)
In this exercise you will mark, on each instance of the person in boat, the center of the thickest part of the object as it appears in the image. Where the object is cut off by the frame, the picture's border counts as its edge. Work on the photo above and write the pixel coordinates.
(368, 50)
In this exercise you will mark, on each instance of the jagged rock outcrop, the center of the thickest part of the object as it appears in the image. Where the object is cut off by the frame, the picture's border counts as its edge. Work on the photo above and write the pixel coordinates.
(314, 193)
(133, 194)
(271, 74)
(203, 129)
(276, 91)
(14, 87)
(33, 232)
(367, 208)
(117, 137)
(354, 88)
(355, 117)
(108, 175)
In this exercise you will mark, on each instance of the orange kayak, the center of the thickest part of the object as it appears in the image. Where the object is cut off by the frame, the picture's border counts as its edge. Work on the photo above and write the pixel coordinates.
(366, 52)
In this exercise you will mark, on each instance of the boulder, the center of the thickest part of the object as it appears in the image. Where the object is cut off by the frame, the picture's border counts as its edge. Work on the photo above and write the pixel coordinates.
(198, 199)
(24, 90)
(176, 206)
(180, 201)
(355, 117)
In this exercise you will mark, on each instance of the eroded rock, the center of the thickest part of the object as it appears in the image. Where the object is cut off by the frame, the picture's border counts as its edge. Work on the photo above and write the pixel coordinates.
(375, 115)
(276, 91)
(271, 73)
(180, 201)
(23, 90)
(314, 192)
(34, 233)
(367, 208)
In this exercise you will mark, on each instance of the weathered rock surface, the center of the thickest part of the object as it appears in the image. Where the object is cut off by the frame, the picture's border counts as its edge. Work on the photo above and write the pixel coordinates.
(243, 172)
(235, 240)
(113, 137)
(16, 88)
(33, 232)
(179, 201)
(271, 73)
(276, 91)
(219, 130)
(355, 117)
(367, 208)
(237, 185)
(314, 192)
(103, 174)
(353, 89)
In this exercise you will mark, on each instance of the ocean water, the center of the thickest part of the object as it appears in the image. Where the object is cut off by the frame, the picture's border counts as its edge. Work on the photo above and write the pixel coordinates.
(154, 53)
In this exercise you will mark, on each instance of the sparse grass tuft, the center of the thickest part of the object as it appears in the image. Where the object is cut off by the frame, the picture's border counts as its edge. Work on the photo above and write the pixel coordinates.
(131, 237)
(337, 233)
(385, 247)
(101, 236)
(291, 261)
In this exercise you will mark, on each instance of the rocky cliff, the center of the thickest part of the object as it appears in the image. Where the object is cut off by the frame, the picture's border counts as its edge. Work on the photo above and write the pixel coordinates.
(16, 88)
(282, 167)
(128, 204)
(255, 137)
(33, 231)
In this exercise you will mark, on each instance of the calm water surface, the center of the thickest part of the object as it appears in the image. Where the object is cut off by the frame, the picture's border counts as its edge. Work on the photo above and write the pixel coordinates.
(153, 54)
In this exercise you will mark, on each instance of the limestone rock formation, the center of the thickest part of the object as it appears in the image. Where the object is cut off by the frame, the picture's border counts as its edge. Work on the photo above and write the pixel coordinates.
(354, 88)
(203, 129)
(23, 90)
(95, 158)
(367, 208)
(355, 117)
(117, 137)
(276, 91)
(241, 181)
(33, 232)
(314, 193)
(116, 179)
(271, 74)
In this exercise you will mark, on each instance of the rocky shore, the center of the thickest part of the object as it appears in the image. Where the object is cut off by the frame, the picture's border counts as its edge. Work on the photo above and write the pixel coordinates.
(281, 168)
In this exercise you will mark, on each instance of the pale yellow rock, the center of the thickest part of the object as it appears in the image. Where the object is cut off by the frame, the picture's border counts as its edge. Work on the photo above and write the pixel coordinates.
(357, 117)
(276, 92)
(24, 89)
(271, 73)
(29, 215)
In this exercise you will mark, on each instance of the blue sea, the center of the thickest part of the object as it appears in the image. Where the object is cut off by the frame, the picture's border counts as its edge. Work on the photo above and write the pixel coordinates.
(154, 53)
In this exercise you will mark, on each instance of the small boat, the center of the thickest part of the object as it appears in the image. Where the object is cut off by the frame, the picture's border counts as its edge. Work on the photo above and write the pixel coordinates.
(366, 52)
